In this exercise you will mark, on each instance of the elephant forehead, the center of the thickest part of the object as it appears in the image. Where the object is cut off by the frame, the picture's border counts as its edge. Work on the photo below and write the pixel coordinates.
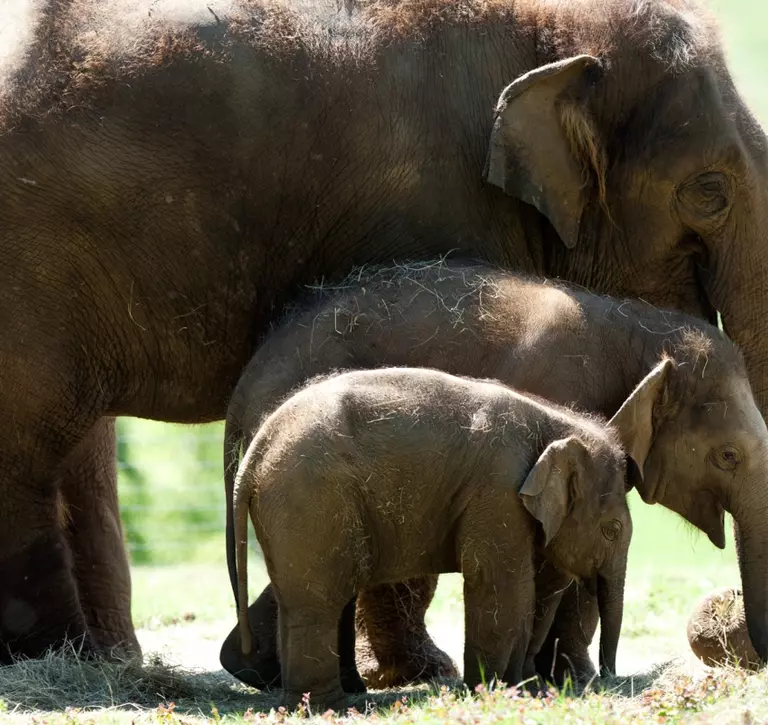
(735, 412)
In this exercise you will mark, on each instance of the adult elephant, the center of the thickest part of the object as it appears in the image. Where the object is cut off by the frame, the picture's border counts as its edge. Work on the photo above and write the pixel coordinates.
(172, 172)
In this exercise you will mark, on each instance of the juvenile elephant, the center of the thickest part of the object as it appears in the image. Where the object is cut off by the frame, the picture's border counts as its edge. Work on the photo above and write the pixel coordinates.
(703, 448)
(174, 171)
(383, 475)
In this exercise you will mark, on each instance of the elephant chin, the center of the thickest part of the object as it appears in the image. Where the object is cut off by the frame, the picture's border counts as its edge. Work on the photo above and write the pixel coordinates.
(706, 513)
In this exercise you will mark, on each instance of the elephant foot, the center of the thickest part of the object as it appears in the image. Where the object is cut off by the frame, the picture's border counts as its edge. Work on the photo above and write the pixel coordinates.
(564, 654)
(261, 668)
(335, 699)
(568, 665)
(532, 682)
(351, 681)
(393, 646)
(39, 608)
(423, 661)
(115, 646)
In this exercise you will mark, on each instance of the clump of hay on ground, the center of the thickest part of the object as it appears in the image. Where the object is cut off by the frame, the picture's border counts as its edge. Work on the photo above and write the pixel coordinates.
(717, 630)
(61, 679)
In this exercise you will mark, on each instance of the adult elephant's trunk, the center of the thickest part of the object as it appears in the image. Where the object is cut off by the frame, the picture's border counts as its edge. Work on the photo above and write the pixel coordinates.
(610, 600)
(736, 287)
(752, 549)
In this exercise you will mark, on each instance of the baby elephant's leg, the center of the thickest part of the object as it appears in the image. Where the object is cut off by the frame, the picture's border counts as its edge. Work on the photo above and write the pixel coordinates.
(392, 629)
(498, 610)
(565, 652)
(550, 586)
(309, 643)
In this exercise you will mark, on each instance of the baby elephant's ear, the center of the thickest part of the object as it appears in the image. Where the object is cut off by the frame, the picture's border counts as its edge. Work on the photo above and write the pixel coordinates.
(634, 421)
(553, 484)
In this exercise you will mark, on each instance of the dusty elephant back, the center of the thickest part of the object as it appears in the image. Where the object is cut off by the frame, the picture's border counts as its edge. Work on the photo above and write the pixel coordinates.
(471, 319)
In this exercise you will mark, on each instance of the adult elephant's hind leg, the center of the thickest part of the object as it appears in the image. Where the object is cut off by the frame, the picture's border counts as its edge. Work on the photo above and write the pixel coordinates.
(89, 486)
(260, 668)
(394, 647)
(39, 605)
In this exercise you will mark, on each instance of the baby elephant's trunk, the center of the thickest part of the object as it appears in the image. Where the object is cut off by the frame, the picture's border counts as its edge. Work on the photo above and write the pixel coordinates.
(610, 599)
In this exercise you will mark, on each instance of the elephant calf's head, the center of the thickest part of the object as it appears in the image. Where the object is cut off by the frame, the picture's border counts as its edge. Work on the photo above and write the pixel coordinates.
(699, 446)
(577, 491)
(694, 435)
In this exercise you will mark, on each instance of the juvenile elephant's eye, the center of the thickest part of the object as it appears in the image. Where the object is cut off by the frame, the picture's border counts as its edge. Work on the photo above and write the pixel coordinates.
(726, 457)
(611, 529)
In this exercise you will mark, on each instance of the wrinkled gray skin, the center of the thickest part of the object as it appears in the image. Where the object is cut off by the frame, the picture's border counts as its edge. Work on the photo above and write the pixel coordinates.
(705, 447)
(383, 475)
(173, 171)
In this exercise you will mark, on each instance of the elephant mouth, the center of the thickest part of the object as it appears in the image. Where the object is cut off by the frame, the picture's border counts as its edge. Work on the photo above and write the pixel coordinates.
(657, 492)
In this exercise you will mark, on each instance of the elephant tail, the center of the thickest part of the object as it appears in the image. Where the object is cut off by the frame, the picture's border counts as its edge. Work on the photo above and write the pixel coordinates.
(242, 505)
(233, 438)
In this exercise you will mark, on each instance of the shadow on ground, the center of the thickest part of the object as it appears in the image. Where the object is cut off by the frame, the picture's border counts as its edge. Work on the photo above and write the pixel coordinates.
(633, 685)
(62, 680)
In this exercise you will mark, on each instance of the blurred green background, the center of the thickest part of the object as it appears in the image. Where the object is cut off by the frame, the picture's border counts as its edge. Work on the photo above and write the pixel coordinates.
(171, 489)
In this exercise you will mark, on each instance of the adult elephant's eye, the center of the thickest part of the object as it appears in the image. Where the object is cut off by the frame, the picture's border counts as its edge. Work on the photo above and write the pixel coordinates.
(611, 529)
(726, 457)
(706, 195)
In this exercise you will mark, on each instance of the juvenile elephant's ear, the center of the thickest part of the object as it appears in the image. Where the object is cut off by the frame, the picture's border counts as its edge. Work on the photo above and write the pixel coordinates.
(634, 421)
(553, 484)
(531, 156)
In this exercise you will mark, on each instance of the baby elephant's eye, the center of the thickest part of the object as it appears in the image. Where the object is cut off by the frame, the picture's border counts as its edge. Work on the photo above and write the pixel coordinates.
(611, 529)
(726, 457)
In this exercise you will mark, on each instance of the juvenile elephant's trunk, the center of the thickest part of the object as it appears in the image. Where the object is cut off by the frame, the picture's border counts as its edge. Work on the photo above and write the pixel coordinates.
(752, 548)
(610, 599)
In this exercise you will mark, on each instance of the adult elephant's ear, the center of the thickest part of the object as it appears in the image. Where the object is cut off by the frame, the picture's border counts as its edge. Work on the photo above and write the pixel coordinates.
(541, 136)
(633, 423)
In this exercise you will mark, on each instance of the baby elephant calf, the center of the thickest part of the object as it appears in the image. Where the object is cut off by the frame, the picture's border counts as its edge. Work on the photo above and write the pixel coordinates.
(378, 476)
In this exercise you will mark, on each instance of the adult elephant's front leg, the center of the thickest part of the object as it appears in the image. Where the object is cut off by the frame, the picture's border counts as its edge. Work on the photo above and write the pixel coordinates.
(39, 605)
(565, 651)
(394, 647)
(89, 485)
